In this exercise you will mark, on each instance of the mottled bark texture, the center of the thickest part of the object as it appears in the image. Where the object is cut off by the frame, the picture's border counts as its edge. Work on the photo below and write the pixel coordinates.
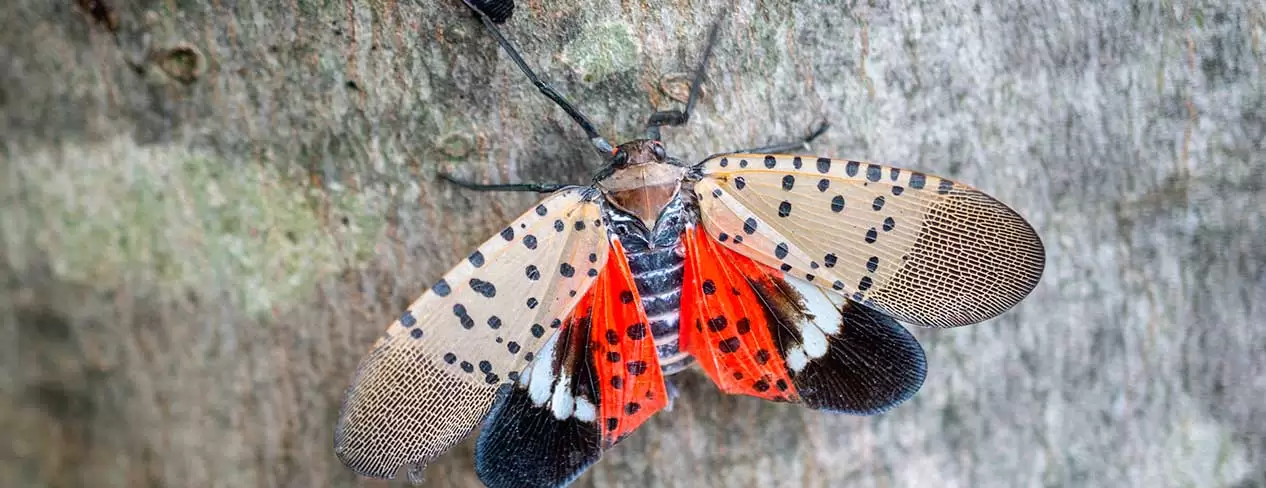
(211, 209)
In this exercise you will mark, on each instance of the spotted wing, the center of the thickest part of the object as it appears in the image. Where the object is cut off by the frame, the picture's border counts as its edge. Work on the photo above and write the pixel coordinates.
(725, 326)
(920, 248)
(756, 331)
(430, 380)
(595, 382)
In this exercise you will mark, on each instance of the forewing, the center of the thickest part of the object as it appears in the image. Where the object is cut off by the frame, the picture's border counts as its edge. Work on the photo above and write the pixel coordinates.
(921, 248)
(757, 331)
(593, 384)
(431, 378)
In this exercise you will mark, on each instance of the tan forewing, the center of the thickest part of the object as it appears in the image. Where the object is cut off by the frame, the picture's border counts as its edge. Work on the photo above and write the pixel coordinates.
(431, 378)
(921, 248)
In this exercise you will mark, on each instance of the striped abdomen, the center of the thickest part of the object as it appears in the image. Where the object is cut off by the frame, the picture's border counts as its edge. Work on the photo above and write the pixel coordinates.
(658, 275)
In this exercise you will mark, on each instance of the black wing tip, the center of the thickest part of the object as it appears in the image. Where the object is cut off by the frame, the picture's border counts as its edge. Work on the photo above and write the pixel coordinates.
(523, 445)
(873, 365)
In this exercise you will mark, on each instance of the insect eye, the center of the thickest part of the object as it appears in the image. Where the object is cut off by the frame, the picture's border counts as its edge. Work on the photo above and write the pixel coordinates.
(620, 158)
(658, 149)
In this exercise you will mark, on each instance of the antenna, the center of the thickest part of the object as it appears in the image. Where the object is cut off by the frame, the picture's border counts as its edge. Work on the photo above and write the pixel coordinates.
(604, 148)
(679, 117)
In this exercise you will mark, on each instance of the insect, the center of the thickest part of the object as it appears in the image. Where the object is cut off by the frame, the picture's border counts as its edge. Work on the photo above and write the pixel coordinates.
(779, 276)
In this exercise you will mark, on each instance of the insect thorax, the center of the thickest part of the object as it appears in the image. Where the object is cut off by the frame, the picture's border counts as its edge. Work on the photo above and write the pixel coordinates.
(656, 260)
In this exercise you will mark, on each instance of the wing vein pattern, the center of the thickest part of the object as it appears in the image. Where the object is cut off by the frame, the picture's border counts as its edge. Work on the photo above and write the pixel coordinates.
(923, 249)
(432, 377)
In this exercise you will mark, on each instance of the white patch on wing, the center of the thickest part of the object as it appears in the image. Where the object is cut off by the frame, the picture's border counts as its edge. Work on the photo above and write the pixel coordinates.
(814, 341)
(585, 410)
(796, 360)
(539, 376)
(823, 314)
(562, 404)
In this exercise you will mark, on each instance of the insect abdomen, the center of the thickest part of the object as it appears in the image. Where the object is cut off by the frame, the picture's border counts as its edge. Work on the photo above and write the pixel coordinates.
(658, 274)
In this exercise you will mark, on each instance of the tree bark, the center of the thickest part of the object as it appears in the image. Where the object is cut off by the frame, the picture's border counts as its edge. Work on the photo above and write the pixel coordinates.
(211, 209)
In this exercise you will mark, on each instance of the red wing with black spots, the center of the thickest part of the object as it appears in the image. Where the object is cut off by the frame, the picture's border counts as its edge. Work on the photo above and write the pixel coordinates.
(625, 361)
(725, 326)
(591, 386)
(756, 331)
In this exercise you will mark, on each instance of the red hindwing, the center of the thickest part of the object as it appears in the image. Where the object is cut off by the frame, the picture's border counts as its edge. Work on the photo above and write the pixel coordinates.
(724, 324)
(626, 367)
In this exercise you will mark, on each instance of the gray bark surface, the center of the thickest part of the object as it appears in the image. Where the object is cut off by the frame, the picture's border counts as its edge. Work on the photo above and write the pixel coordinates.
(210, 214)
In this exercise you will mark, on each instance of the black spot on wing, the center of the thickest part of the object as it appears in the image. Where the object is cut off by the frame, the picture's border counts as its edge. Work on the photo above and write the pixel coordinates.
(483, 287)
(525, 445)
(874, 172)
(917, 180)
(872, 365)
(784, 208)
(780, 251)
(837, 204)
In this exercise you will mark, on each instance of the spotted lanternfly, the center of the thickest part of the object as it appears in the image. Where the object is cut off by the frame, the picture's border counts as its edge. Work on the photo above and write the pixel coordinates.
(782, 277)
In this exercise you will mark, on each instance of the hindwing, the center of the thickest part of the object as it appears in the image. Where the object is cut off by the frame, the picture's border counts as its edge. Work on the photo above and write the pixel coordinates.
(758, 331)
(590, 386)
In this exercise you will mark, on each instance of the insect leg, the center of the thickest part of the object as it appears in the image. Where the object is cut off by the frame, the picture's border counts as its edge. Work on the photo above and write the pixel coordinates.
(785, 147)
(528, 187)
(679, 117)
(604, 148)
